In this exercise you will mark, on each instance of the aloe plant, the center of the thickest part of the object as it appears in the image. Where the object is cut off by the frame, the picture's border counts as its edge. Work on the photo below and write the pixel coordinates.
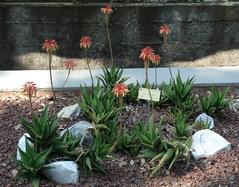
(90, 159)
(32, 163)
(112, 76)
(128, 144)
(149, 134)
(42, 130)
(179, 93)
(172, 151)
(67, 145)
(182, 128)
(100, 106)
(215, 102)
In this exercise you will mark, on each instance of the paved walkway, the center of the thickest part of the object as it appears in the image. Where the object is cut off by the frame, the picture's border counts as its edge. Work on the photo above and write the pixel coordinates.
(13, 80)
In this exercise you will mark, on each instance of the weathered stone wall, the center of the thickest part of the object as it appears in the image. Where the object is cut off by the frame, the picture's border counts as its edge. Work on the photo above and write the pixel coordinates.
(205, 33)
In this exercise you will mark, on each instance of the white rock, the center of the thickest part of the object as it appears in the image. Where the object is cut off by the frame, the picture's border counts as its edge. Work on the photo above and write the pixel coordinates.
(234, 105)
(14, 172)
(70, 112)
(131, 162)
(206, 143)
(82, 130)
(63, 172)
(22, 144)
(204, 118)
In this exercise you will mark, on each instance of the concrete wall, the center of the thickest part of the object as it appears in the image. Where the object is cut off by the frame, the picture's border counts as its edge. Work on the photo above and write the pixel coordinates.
(202, 34)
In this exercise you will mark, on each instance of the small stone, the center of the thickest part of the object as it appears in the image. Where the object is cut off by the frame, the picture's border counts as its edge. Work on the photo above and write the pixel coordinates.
(167, 172)
(51, 103)
(142, 161)
(17, 127)
(40, 110)
(122, 163)
(131, 162)
(236, 169)
(4, 164)
(14, 172)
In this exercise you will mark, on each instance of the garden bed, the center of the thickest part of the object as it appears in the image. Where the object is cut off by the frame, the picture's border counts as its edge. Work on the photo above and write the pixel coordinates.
(124, 170)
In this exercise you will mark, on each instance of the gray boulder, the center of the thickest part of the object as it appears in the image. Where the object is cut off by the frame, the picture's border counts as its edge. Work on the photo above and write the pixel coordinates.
(81, 129)
(63, 172)
(69, 112)
(207, 143)
(22, 144)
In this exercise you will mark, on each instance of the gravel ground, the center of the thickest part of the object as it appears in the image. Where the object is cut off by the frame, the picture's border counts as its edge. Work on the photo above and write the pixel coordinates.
(219, 170)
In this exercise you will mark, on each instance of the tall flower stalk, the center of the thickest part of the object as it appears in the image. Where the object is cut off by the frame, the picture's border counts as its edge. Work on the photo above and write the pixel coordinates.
(85, 43)
(147, 55)
(69, 65)
(120, 90)
(165, 31)
(107, 10)
(50, 46)
(30, 89)
(156, 60)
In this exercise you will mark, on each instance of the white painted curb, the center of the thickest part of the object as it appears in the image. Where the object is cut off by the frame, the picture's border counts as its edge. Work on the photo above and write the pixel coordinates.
(14, 80)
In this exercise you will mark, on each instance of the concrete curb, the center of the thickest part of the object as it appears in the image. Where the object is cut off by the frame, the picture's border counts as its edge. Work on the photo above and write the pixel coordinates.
(204, 76)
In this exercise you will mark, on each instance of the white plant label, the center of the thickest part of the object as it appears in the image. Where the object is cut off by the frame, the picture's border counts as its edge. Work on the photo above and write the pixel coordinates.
(145, 95)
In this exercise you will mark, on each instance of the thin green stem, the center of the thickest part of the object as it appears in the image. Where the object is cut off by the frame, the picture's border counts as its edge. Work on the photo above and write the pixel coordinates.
(109, 39)
(148, 86)
(52, 88)
(155, 73)
(30, 103)
(69, 71)
(91, 76)
(163, 47)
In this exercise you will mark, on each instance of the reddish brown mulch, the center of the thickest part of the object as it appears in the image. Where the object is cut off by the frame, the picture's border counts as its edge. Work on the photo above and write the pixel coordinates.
(220, 170)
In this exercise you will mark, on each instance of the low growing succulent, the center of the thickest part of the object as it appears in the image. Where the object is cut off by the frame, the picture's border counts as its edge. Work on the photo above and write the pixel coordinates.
(90, 159)
(67, 145)
(42, 130)
(128, 144)
(112, 76)
(215, 102)
(179, 93)
(182, 128)
(172, 151)
(149, 134)
(100, 106)
(31, 163)
(132, 96)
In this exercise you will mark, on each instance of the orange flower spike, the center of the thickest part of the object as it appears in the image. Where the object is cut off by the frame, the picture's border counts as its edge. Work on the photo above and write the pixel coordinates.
(107, 10)
(50, 46)
(147, 54)
(120, 90)
(156, 59)
(85, 42)
(30, 88)
(165, 29)
(70, 64)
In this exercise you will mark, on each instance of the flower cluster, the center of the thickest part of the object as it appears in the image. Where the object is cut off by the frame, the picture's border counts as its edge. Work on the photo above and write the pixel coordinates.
(70, 64)
(30, 88)
(107, 10)
(147, 55)
(120, 90)
(85, 42)
(165, 29)
(50, 46)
